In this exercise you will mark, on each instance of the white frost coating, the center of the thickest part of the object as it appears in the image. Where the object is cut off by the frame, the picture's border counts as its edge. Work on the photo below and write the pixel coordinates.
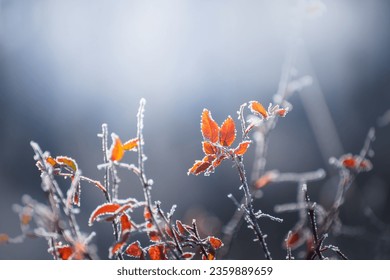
(150, 182)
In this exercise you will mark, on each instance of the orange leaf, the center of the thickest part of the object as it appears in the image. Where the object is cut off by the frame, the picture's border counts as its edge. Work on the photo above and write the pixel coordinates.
(181, 228)
(153, 236)
(258, 109)
(216, 243)
(187, 255)
(168, 231)
(156, 252)
(294, 239)
(68, 162)
(282, 112)
(267, 178)
(210, 256)
(51, 161)
(199, 167)
(116, 151)
(125, 226)
(348, 161)
(3, 238)
(25, 218)
(218, 161)
(209, 128)
(227, 134)
(131, 144)
(147, 214)
(64, 252)
(104, 209)
(242, 148)
(115, 249)
(134, 250)
(209, 148)
(365, 165)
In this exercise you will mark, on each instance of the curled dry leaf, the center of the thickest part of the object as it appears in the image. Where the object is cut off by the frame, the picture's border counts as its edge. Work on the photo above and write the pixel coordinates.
(209, 128)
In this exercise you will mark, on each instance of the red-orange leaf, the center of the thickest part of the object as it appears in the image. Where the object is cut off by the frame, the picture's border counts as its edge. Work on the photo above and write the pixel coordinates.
(218, 161)
(258, 109)
(209, 128)
(209, 148)
(115, 249)
(154, 236)
(156, 252)
(187, 255)
(216, 243)
(294, 239)
(181, 228)
(227, 134)
(104, 209)
(242, 148)
(134, 250)
(64, 252)
(348, 161)
(116, 151)
(147, 214)
(199, 167)
(125, 226)
(264, 180)
(131, 144)
(68, 162)
(282, 112)
(352, 162)
(168, 231)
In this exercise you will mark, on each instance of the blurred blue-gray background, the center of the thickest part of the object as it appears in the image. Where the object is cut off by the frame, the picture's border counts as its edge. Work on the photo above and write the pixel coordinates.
(66, 67)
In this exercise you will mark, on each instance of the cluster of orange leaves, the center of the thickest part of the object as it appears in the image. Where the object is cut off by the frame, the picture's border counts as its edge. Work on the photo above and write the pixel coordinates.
(218, 140)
